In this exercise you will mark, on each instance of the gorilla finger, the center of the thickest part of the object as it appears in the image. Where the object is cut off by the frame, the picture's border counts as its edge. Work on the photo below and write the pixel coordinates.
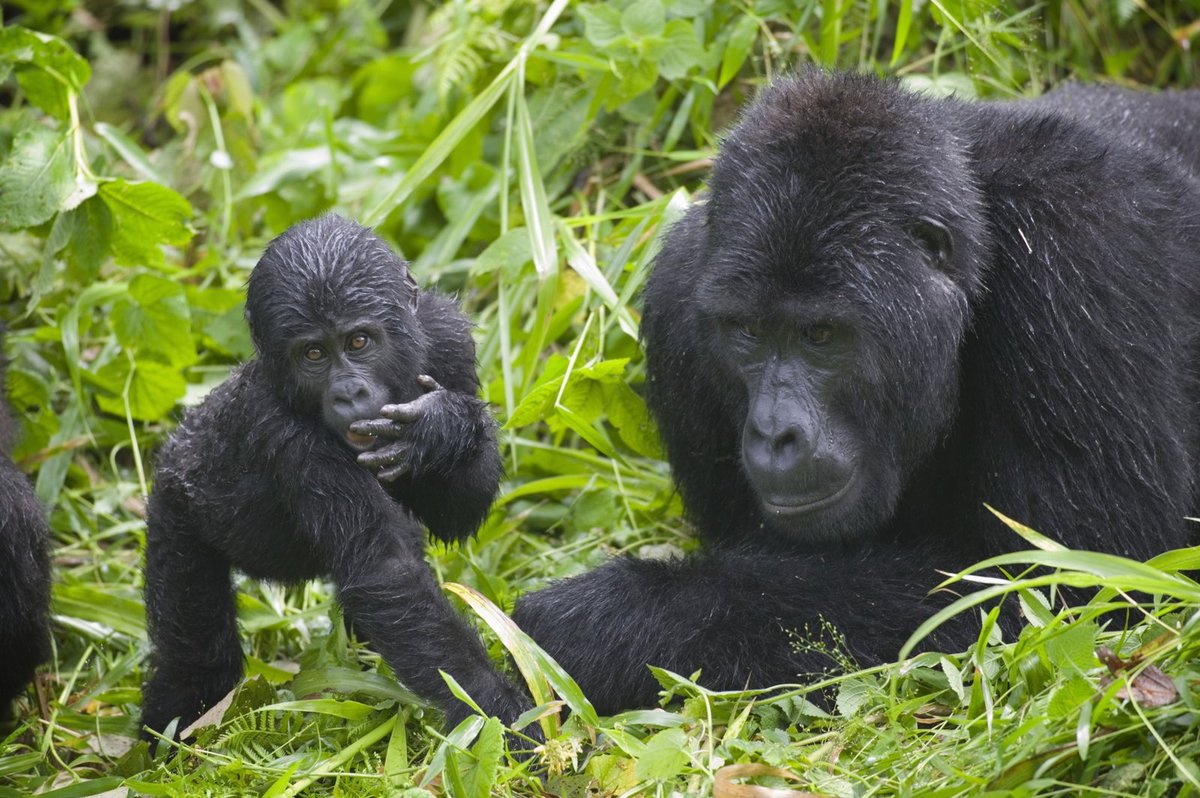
(375, 426)
(409, 411)
(392, 474)
(428, 383)
(388, 456)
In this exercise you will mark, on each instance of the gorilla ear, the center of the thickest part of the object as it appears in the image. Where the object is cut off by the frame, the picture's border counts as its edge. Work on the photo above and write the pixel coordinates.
(935, 238)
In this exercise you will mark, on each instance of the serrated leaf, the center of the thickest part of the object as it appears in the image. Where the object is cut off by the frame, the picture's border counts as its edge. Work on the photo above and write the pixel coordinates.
(154, 316)
(683, 50)
(533, 405)
(601, 24)
(507, 254)
(90, 241)
(643, 19)
(36, 179)
(1073, 647)
(46, 66)
(664, 757)
(153, 388)
(145, 217)
(584, 398)
(628, 413)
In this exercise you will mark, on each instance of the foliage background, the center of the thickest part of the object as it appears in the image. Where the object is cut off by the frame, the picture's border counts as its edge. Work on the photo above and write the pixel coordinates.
(526, 156)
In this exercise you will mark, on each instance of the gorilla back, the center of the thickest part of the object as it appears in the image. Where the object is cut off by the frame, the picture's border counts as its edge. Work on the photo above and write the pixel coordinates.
(890, 310)
(357, 372)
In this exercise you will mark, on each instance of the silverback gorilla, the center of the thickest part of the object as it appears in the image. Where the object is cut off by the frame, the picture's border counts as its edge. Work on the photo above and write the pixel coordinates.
(890, 310)
(24, 570)
(268, 476)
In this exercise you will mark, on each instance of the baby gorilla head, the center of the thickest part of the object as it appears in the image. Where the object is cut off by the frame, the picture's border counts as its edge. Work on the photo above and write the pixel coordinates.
(331, 310)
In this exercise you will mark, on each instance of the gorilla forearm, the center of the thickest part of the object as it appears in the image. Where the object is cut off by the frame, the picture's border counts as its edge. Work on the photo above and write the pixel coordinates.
(740, 617)
(455, 470)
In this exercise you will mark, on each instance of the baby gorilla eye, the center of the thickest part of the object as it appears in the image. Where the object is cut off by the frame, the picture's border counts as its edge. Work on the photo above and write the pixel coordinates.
(314, 353)
(818, 334)
(358, 341)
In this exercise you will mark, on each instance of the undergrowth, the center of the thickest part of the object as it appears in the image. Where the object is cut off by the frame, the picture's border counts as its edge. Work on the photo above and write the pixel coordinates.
(526, 156)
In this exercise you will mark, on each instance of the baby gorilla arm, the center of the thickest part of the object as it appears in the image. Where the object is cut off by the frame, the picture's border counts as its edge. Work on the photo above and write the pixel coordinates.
(376, 556)
(441, 459)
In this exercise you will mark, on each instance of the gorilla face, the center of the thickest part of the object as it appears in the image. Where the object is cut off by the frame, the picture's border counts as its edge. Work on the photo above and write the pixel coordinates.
(344, 368)
(845, 358)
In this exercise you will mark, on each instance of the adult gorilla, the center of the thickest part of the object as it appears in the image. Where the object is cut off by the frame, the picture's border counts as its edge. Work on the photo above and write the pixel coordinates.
(891, 310)
(268, 476)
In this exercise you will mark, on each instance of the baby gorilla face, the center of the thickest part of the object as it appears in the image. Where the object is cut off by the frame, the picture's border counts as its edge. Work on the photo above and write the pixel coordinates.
(343, 370)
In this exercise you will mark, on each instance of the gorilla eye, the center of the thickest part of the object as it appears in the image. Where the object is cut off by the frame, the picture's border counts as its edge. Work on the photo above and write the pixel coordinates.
(818, 333)
(314, 353)
(358, 341)
(750, 332)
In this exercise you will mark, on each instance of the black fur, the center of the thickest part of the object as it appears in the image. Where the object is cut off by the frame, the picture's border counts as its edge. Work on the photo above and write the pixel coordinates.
(24, 569)
(263, 475)
(890, 310)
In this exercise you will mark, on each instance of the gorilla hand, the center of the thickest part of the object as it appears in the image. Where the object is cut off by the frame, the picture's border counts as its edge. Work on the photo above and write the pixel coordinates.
(410, 428)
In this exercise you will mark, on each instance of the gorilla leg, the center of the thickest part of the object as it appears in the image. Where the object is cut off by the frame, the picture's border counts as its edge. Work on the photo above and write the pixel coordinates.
(192, 621)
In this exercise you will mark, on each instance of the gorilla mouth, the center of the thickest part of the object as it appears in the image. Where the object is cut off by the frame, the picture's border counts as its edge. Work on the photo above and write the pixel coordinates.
(801, 505)
(360, 442)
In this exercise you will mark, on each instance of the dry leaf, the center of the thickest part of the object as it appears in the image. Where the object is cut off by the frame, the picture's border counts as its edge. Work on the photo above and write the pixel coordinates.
(1149, 688)
(724, 786)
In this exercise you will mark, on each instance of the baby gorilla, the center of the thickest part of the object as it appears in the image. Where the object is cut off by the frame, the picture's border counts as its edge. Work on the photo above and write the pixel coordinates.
(268, 476)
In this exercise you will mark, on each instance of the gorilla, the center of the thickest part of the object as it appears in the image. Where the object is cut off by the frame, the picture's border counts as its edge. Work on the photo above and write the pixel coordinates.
(24, 569)
(356, 424)
(890, 310)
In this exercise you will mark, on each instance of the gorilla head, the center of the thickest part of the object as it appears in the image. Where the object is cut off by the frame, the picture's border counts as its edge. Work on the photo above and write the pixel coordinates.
(331, 310)
(834, 269)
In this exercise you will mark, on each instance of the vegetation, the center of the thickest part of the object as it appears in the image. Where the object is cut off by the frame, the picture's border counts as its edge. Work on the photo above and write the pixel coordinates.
(525, 154)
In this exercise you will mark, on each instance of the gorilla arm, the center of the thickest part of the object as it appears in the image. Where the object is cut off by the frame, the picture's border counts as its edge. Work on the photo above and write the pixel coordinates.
(740, 617)
(376, 555)
(440, 460)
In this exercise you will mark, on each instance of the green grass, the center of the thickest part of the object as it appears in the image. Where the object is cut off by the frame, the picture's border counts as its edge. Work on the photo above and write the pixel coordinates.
(526, 155)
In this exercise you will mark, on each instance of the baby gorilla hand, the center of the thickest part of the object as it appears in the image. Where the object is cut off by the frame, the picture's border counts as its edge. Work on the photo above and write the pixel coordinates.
(403, 425)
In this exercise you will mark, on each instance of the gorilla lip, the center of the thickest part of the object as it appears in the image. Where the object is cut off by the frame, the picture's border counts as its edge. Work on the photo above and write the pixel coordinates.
(360, 441)
(808, 506)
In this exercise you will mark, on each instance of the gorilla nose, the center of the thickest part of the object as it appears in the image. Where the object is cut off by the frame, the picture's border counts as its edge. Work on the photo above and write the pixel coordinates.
(349, 392)
(779, 450)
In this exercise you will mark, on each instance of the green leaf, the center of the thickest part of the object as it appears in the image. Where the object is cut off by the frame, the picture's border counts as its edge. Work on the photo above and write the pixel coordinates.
(683, 50)
(36, 179)
(479, 774)
(1069, 696)
(152, 388)
(664, 757)
(737, 49)
(123, 615)
(47, 68)
(601, 25)
(145, 217)
(507, 254)
(643, 18)
(903, 25)
(154, 317)
(1074, 647)
(90, 238)
(628, 413)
